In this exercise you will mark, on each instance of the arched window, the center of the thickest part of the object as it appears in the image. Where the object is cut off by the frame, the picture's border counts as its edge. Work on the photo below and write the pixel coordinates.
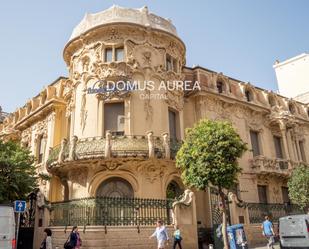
(248, 95)
(292, 108)
(220, 87)
(40, 148)
(115, 187)
(173, 190)
(271, 101)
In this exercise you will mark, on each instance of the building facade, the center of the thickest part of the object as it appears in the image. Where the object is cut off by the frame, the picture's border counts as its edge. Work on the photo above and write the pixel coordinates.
(121, 144)
(293, 77)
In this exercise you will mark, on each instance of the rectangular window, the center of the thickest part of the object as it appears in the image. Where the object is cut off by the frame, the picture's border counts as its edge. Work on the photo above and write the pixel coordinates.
(108, 55)
(169, 65)
(278, 147)
(114, 118)
(175, 65)
(262, 191)
(119, 54)
(40, 149)
(254, 137)
(172, 118)
(285, 195)
(302, 151)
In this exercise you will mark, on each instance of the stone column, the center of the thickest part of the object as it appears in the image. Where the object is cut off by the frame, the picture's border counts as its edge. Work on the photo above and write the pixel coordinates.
(166, 145)
(150, 144)
(284, 140)
(298, 152)
(292, 153)
(61, 153)
(72, 155)
(108, 146)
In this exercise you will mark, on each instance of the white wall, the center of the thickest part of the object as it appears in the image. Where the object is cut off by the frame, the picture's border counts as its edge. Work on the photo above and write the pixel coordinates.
(293, 76)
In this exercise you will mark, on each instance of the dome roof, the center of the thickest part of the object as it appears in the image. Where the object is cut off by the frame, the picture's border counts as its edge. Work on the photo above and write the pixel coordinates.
(117, 14)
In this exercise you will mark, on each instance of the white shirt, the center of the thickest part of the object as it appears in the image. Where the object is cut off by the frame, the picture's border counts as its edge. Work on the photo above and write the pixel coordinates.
(49, 243)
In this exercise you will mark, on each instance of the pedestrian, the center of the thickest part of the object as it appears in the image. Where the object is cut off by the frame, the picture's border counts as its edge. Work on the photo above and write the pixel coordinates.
(47, 241)
(75, 239)
(177, 237)
(268, 232)
(161, 234)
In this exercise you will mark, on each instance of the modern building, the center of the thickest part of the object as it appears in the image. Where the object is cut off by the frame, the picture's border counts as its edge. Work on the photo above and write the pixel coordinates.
(110, 153)
(293, 77)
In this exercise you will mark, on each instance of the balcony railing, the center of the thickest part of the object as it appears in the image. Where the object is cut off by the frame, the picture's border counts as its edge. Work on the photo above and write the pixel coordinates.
(257, 211)
(113, 146)
(108, 211)
(262, 164)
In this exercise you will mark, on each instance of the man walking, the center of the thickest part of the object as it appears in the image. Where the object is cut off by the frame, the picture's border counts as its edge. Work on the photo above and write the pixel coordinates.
(161, 234)
(268, 232)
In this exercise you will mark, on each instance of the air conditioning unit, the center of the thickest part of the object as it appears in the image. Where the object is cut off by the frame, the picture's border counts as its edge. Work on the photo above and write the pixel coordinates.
(120, 123)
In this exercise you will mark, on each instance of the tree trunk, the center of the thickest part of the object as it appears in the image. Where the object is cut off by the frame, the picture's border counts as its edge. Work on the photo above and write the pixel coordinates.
(224, 219)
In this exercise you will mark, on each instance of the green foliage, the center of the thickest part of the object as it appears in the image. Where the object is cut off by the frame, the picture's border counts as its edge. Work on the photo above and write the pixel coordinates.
(209, 155)
(17, 172)
(298, 186)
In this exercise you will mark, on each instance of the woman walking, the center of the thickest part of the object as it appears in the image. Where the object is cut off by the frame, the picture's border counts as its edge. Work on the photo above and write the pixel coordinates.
(47, 241)
(75, 239)
(161, 234)
(177, 238)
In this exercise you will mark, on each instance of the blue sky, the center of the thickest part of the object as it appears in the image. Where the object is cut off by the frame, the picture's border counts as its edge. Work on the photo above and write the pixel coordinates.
(241, 38)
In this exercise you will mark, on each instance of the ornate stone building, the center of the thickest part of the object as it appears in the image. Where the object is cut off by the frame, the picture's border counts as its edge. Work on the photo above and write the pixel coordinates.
(121, 144)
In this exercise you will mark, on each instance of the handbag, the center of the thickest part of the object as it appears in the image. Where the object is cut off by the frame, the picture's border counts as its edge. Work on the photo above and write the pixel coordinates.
(43, 244)
(67, 244)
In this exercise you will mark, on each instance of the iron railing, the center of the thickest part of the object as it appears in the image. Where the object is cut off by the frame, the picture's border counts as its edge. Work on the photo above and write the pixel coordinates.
(53, 154)
(129, 146)
(257, 211)
(90, 147)
(110, 211)
(121, 146)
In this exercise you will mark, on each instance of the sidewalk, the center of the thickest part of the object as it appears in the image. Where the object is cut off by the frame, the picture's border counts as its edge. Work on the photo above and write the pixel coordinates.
(265, 247)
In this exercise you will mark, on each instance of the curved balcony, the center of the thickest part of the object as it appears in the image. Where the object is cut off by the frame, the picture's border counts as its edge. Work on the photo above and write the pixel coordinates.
(271, 166)
(110, 146)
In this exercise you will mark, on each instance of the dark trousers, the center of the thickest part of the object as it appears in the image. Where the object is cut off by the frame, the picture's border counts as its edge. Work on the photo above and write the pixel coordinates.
(177, 242)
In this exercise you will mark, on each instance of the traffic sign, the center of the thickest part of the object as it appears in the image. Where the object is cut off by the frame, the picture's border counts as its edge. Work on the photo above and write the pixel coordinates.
(19, 206)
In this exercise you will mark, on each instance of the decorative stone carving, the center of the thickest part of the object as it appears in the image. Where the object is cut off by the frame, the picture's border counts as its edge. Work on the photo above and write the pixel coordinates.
(151, 172)
(186, 200)
(72, 154)
(83, 111)
(166, 145)
(40, 199)
(148, 107)
(108, 146)
(79, 175)
(62, 150)
(150, 144)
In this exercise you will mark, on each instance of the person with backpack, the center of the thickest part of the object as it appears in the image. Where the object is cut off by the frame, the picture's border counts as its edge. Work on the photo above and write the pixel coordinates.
(74, 241)
(177, 238)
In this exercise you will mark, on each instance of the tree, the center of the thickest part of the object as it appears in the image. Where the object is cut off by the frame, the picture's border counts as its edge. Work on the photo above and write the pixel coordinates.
(209, 156)
(298, 185)
(17, 172)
